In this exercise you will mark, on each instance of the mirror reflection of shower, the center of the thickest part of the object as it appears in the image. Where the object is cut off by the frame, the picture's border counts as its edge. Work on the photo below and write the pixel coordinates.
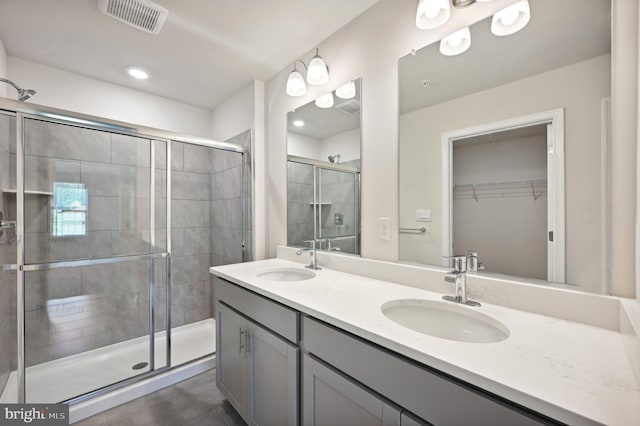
(23, 94)
(334, 158)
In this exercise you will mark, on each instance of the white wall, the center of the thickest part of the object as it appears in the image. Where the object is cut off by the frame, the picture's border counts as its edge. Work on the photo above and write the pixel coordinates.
(74, 92)
(3, 70)
(368, 47)
(303, 146)
(624, 110)
(347, 144)
(235, 115)
(421, 130)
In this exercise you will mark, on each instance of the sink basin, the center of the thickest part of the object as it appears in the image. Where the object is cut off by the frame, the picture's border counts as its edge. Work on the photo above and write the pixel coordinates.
(445, 320)
(286, 274)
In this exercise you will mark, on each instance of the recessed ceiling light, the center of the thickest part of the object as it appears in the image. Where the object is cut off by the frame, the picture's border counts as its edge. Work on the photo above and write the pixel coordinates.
(298, 123)
(138, 73)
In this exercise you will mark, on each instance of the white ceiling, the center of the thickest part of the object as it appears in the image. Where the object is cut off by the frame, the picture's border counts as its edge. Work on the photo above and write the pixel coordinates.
(560, 33)
(206, 51)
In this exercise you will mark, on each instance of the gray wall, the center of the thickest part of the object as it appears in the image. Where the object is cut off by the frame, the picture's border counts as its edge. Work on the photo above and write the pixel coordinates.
(299, 203)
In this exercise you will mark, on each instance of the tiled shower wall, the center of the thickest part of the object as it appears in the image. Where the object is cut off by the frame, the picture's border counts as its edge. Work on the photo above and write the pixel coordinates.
(7, 256)
(299, 203)
(206, 218)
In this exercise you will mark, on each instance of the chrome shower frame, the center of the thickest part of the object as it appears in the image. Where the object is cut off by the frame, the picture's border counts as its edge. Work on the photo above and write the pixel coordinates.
(20, 110)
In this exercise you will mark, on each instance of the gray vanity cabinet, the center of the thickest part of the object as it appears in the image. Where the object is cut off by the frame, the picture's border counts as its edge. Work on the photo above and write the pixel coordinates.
(257, 369)
(425, 392)
(232, 376)
(330, 398)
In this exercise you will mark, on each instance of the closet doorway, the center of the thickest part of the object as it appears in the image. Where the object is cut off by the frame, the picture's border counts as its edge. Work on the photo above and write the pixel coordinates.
(504, 195)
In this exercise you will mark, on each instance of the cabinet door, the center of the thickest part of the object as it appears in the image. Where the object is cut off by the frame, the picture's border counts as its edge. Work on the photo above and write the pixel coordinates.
(331, 399)
(274, 379)
(231, 358)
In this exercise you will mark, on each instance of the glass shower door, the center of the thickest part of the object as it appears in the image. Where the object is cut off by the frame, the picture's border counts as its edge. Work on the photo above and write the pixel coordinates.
(94, 258)
(338, 210)
(8, 252)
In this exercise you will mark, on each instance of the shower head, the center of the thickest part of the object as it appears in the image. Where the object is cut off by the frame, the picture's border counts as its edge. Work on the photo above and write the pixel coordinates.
(23, 94)
(334, 158)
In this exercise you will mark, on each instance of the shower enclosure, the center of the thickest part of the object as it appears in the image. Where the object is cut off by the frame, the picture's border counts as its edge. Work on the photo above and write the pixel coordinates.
(323, 203)
(107, 233)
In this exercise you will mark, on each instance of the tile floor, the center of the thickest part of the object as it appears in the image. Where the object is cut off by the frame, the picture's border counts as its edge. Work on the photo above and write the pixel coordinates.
(193, 402)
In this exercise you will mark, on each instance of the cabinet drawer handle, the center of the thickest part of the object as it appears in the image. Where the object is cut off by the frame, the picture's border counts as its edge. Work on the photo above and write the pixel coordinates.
(242, 342)
(247, 343)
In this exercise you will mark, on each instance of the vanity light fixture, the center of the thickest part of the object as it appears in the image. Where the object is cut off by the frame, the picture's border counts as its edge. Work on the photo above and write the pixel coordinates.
(511, 19)
(137, 72)
(325, 101)
(295, 83)
(456, 43)
(432, 13)
(346, 91)
(317, 74)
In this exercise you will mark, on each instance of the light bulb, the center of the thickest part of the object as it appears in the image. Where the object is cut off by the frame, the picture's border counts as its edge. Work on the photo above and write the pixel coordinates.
(511, 19)
(432, 13)
(138, 73)
(431, 10)
(317, 74)
(325, 101)
(456, 43)
(346, 91)
(295, 84)
(509, 16)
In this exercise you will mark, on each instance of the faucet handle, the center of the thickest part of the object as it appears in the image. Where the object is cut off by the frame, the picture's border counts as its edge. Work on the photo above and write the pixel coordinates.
(459, 262)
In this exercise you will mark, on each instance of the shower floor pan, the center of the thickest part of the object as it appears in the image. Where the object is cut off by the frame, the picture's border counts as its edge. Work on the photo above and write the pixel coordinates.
(68, 377)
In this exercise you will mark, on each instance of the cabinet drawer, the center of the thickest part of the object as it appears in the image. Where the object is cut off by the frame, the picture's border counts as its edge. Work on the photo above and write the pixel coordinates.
(422, 391)
(280, 319)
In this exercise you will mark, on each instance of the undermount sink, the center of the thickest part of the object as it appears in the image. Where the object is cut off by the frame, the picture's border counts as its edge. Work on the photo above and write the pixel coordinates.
(286, 274)
(445, 320)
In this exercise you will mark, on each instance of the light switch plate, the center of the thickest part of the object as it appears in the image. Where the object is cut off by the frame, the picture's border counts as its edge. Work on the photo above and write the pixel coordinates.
(423, 215)
(384, 228)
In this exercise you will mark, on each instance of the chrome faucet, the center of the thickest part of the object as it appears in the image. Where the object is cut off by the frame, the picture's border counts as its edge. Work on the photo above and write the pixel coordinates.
(312, 252)
(472, 262)
(459, 276)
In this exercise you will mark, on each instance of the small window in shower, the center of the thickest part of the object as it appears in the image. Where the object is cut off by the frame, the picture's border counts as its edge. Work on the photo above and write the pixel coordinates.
(70, 205)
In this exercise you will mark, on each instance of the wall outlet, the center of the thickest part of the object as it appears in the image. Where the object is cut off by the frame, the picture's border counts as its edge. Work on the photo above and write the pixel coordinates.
(384, 228)
(423, 215)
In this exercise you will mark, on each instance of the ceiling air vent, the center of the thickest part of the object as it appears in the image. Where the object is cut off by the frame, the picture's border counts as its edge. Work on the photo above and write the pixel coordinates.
(144, 15)
(352, 106)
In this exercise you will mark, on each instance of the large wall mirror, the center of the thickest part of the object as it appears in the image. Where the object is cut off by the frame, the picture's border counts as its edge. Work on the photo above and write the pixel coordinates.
(504, 148)
(323, 171)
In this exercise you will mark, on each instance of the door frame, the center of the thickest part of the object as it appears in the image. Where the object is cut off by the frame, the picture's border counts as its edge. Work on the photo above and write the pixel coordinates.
(554, 119)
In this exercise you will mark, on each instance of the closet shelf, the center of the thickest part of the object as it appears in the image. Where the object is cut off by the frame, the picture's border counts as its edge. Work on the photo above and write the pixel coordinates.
(534, 188)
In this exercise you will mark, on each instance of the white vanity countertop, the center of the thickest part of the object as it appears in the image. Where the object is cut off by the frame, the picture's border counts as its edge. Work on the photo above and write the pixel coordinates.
(575, 373)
